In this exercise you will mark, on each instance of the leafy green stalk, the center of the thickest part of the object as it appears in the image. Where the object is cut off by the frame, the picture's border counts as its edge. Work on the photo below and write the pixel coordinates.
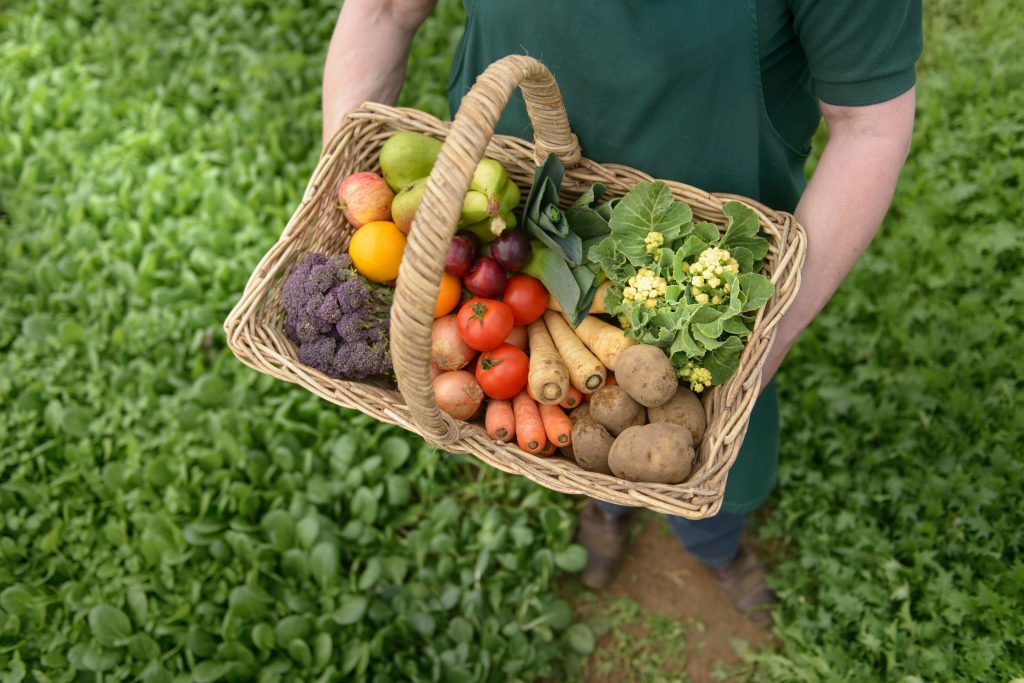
(562, 238)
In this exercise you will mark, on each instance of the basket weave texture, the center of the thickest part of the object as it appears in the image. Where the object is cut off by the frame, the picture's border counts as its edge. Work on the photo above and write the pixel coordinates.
(255, 327)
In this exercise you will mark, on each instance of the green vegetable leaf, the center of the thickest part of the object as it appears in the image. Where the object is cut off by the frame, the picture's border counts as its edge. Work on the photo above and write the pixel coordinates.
(741, 232)
(691, 248)
(571, 559)
(683, 343)
(351, 610)
(585, 219)
(554, 273)
(735, 325)
(706, 332)
(460, 630)
(587, 223)
(542, 218)
(647, 208)
(706, 232)
(109, 625)
(611, 260)
(723, 361)
(589, 197)
(249, 602)
(291, 627)
(742, 223)
(263, 638)
(143, 648)
(581, 639)
(586, 279)
(396, 451)
(19, 600)
(210, 672)
(323, 562)
(757, 289)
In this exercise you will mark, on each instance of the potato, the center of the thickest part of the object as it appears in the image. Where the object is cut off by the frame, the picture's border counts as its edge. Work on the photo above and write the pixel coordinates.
(590, 445)
(683, 409)
(646, 374)
(660, 453)
(579, 412)
(613, 408)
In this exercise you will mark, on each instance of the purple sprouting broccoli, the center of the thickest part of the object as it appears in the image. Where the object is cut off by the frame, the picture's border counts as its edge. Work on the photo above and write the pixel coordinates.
(339, 319)
(361, 359)
(351, 295)
(319, 353)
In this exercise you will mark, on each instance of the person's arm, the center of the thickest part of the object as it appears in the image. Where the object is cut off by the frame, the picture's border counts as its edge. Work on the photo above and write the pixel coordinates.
(367, 55)
(844, 204)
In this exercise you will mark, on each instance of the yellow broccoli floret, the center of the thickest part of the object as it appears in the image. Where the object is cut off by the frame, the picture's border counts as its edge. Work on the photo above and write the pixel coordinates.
(654, 242)
(698, 377)
(706, 282)
(645, 287)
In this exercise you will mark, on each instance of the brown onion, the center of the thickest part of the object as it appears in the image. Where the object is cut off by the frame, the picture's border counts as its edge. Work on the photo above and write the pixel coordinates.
(458, 394)
(448, 351)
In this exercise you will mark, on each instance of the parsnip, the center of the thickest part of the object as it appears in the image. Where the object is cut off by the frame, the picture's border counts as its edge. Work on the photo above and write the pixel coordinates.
(606, 341)
(585, 371)
(548, 377)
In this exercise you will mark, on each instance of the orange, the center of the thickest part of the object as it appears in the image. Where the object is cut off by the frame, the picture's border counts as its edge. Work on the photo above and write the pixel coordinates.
(448, 295)
(376, 250)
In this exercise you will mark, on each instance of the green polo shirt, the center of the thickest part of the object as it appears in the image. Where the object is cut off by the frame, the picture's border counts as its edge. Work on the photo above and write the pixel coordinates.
(720, 95)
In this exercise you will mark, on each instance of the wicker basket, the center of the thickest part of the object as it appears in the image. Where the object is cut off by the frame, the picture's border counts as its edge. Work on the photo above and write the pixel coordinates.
(255, 326)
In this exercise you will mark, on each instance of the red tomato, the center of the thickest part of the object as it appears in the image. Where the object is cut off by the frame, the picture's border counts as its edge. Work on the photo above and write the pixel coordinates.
(501, 373)
(526, 297)
(484, 323)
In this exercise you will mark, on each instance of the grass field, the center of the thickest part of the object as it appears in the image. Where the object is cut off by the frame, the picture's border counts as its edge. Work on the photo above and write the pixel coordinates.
(168, 515)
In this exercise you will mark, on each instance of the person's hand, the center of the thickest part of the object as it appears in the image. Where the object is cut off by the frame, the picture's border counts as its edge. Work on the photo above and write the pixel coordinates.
(844, 204)
(367, 55)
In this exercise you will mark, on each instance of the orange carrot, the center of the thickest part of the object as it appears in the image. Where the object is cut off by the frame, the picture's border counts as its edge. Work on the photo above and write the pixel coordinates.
(573, 399)
(529, 426)
(500, 420)
(557, 424)
(548, 450)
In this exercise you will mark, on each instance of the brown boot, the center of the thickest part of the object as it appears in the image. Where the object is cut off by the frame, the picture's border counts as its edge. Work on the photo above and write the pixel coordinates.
(743, 580)
(605, 540)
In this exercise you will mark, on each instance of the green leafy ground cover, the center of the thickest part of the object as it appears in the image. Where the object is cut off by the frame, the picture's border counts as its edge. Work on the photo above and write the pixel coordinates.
(169, 514)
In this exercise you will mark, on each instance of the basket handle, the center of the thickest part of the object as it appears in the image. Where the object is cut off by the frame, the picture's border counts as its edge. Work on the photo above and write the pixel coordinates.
(437, 216)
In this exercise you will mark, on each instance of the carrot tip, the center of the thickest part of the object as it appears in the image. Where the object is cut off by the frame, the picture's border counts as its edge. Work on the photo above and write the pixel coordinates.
(563, 439)
(533, 445)
(501, 433)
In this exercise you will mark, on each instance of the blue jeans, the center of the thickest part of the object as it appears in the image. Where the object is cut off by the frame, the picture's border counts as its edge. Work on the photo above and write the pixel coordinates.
(714, 541)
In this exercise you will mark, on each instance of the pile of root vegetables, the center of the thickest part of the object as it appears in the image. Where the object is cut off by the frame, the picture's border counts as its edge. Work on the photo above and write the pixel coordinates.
(590, 393)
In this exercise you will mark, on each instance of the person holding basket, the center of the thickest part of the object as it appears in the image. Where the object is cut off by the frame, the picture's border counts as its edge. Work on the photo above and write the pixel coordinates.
(722, 96)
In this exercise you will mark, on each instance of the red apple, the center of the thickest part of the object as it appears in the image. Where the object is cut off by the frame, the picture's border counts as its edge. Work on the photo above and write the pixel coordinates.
(485, 278)
(365, 197)
(460, 257)
(511, 250)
